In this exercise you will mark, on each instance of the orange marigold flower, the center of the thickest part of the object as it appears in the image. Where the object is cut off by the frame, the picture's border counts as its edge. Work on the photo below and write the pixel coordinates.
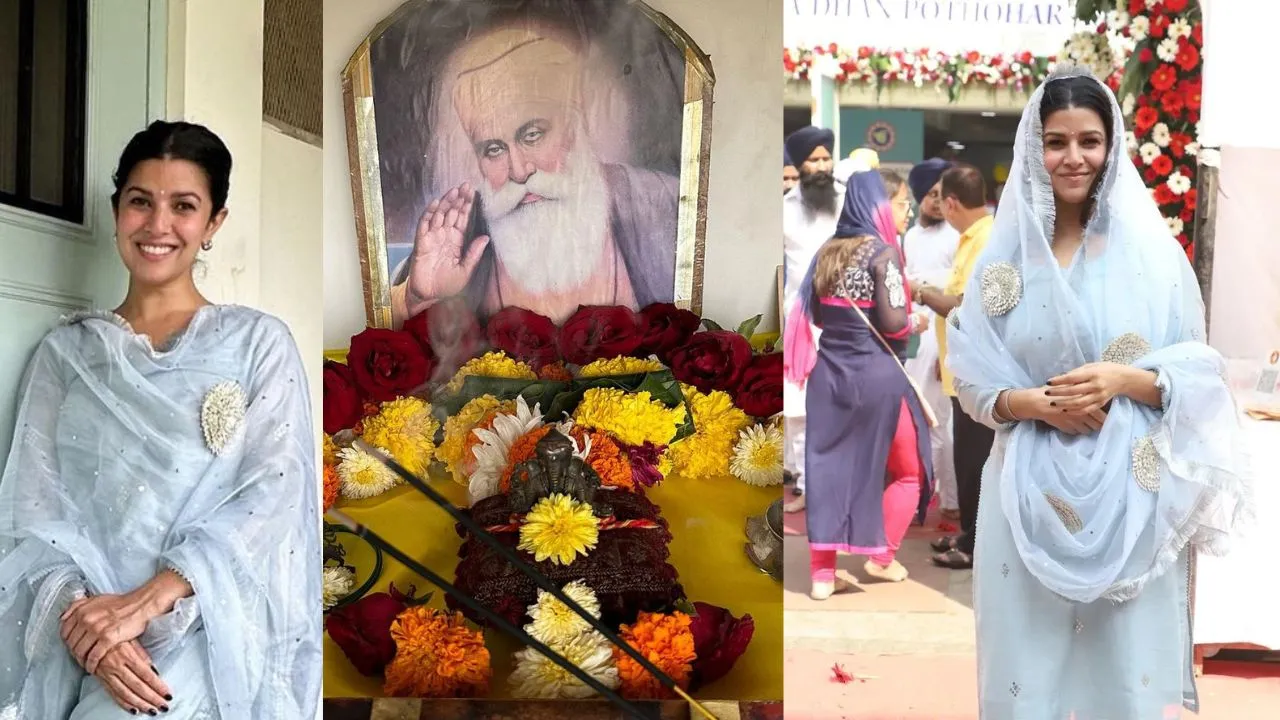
(332, 484)
(486, 423)
(556, 371)
(522, 450)
(437, 656)
(667, 642)
(606, 458)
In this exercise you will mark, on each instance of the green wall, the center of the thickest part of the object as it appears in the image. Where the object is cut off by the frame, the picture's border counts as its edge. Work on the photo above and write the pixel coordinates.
(908, 132)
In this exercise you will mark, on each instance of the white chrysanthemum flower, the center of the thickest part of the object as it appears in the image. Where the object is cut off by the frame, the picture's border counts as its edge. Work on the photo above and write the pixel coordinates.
(1193, 149)
(1128, 104)
(1149, 152)
(1167, 50)
(222, 414)
(1160, 135)
(1131, 142)
(1175, 225)
(553, 622)
(535, 676)
(1179, 28)
(1117, 19)
(495, 444)
(1140, 27)
(338, 583)
(757, 458)
(1179, 183)
(362, 475)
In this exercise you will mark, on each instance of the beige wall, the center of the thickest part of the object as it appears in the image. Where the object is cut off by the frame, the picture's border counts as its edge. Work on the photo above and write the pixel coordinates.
(267, 255)
(744, 228)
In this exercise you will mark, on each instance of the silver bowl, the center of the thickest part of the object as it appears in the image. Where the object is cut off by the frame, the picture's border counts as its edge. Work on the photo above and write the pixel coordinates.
(764, 536)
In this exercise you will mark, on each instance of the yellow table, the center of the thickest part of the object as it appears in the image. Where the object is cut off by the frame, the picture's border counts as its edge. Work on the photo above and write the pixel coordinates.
(707, 520)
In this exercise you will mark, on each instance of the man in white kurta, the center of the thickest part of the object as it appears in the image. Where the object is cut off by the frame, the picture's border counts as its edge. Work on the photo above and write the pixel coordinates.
(930, 247)
(809, 214)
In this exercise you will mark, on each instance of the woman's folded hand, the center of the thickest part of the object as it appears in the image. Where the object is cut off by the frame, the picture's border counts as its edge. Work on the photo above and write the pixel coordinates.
(128, 676)
(94, 625)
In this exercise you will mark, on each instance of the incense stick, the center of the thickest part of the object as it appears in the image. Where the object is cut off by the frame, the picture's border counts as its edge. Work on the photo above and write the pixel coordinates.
(491, 616)
(538, 578)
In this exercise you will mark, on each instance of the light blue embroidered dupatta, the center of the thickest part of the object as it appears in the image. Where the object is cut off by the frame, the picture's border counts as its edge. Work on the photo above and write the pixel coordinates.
(1097, 516)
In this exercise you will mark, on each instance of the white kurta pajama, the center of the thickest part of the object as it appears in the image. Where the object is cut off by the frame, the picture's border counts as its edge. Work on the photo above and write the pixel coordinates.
(930, 252)
(804, 231)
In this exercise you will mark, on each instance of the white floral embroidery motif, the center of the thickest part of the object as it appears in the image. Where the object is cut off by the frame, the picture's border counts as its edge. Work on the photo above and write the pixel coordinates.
(893, 281)
(222, 415)
(1067, 514)
(1001, 288)
(1146, 464)
(1126, 349)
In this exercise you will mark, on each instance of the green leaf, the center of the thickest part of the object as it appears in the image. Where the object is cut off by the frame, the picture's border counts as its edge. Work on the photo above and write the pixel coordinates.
(711, 325)
(1135, 75)
(685, 606)
(473, 386)
(748, 327)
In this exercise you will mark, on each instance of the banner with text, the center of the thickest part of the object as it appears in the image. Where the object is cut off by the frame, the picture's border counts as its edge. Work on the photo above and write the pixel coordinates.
(988, 26)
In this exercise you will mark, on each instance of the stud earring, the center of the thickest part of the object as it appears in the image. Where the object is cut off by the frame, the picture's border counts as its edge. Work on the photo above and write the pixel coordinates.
(207, 245)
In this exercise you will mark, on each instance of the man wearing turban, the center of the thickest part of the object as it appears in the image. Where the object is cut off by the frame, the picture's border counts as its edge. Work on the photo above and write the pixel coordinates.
(809, 215)
(541, 222)
(930, 247)
(790, 175)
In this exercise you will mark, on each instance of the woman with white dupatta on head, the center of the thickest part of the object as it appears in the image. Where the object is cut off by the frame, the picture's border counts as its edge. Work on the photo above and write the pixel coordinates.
(1081, 340)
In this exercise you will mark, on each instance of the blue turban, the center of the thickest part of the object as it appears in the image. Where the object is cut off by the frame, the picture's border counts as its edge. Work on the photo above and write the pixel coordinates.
(786, 159)
(924, 176)
(800, 144)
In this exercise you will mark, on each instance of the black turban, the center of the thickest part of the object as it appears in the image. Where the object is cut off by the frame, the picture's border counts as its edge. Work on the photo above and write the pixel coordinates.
(801, 143)
(924, 176)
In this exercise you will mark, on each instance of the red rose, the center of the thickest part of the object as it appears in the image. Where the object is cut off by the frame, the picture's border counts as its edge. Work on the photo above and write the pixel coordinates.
(388, 363)
(450, 331)
(1171, 102)
(524, 335)
(598, 332)
(342, 401)
(759, 391)
(711, 360)
(1188, 57)
(363, 630)
(1163, 165)
(719, 639)
(1145, 55)
(1163, 194)
(664, 327)
(1159, 26)
(1175, 6)
(1145, 119)
(1164, 77)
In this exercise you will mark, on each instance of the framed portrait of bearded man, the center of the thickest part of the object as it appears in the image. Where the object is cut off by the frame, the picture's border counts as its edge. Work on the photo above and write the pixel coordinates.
(544, 154)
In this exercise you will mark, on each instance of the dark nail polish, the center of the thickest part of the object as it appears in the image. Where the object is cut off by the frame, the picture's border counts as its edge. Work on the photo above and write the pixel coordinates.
(164, 708)
(152, 713)
(1053, 404)
(154, 670)
(133, 711)
(169, 698)
(1046, 392)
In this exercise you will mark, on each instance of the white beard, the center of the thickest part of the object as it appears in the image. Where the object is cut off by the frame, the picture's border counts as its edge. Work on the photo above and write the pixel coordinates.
(555, 244)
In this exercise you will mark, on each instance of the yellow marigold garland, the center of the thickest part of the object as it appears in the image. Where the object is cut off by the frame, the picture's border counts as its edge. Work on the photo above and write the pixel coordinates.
(632, 418)
(493, 364)
(706, 453)
(664, 640)
(406, 428)
(330, 450)
(437, 656)
(457, 428)
(620, 366)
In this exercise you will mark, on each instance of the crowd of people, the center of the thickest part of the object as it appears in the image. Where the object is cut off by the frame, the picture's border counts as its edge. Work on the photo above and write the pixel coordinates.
(1049, 359)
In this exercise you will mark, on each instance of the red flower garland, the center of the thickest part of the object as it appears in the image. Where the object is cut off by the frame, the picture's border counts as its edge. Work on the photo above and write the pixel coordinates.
(1166, 93)
(946, 71)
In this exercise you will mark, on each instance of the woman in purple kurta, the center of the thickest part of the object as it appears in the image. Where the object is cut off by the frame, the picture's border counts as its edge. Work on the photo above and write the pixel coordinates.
(867, 459)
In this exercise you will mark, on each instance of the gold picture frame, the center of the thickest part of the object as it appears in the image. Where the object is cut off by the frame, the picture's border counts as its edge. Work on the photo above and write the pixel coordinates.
(363, 154)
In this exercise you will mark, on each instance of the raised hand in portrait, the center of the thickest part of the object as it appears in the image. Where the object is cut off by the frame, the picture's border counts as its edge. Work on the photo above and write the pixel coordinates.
(94, 625)
(438, 267)
(1088, 388)
(128, 676)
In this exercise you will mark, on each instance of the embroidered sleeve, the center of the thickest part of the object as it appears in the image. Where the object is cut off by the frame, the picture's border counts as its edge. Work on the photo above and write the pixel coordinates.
(891, 313)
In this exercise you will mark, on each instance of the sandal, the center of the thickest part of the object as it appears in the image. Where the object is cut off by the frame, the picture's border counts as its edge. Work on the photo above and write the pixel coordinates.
(954, 560)
(945, 543)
